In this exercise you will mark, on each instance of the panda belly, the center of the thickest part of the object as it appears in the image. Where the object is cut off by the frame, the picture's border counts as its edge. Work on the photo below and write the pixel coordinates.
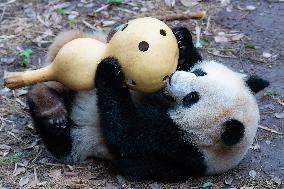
(87, 138)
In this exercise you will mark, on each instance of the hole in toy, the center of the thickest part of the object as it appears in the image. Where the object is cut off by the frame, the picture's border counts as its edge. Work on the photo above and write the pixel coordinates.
(143, 46)
(125, 26)
(163, 32)
(165, 78)
(133, 82)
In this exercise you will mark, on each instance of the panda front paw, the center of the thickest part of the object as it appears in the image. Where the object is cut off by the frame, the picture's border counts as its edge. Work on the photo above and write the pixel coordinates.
(188, 55)
(109, 73)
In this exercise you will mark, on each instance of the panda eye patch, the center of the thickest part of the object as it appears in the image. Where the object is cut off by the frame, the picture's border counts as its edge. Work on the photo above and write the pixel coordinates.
(199, 72)
(190, 99)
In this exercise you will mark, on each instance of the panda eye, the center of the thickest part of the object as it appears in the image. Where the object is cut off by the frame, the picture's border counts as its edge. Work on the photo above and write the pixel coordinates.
(199, 72)
(190, 99)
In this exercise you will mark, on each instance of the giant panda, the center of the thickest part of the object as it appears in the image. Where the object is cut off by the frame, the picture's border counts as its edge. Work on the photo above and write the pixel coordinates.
(202, 123)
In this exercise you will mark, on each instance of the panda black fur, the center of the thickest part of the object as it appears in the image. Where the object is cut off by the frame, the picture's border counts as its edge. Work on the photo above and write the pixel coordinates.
(205, 127)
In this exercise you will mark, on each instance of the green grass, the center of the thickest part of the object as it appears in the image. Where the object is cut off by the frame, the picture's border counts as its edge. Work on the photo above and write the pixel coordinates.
(15, 157)
(25, 56)
(114, 2)
(250, 46)
(60, 11)
(269, 92)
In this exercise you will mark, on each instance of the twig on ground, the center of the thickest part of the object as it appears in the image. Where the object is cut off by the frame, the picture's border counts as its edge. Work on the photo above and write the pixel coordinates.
(36, 157)
(8, 2)
(14, 136)
(89, 25)
(268, 129)
(2, 15)
(195, 16)
(222, 56)
(102, 8)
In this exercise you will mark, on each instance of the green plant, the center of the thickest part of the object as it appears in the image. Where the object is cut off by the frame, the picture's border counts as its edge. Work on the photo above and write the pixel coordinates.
(25, 55)
(15, 157)
(250, 46)
(114, 2)
(269, 92)
(60, 11)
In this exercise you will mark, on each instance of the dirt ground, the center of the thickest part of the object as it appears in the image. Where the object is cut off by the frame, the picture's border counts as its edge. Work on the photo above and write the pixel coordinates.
(246, 35)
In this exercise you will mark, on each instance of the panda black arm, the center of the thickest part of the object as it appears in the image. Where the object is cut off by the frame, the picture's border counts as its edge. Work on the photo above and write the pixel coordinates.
(144, 141)
(188, 54)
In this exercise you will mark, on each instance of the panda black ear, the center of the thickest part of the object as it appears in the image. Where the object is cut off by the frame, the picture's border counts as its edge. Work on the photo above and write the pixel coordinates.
(256, 83)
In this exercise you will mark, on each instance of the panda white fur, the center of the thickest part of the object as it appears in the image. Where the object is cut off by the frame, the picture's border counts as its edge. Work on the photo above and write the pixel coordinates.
(203, 124)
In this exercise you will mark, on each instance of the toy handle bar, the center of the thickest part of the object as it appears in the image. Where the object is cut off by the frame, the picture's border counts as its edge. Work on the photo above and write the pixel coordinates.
(16, 80)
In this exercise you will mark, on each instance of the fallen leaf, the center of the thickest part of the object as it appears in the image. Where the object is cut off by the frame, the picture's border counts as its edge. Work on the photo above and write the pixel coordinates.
(221, 39)
(279, 115)
(18, 169)
(189, 3)
(170, 3)
(252, 173)
(24, 181)
(237, 37)
(55, 174)
(71, 174)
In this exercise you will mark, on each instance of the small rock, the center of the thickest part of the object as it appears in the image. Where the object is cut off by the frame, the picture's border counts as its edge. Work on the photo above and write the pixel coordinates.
(143, 9)
(155, 186)
(255, 147)
(189, 3)
(24, 181)
(229, 181)
(250, 7)
(252, 173)
(72, 15)
(62, 5)
(266, 55)
(279, 115)
(107, 23)
(268, 142)
(277, 180)
(7, 60)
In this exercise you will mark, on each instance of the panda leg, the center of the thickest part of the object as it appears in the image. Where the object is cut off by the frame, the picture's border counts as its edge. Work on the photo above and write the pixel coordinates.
(50, 116)
(143, 141)
(188, 54)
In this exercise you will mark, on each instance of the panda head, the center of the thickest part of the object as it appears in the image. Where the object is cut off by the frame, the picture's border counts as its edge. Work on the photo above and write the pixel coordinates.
(210, 95)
